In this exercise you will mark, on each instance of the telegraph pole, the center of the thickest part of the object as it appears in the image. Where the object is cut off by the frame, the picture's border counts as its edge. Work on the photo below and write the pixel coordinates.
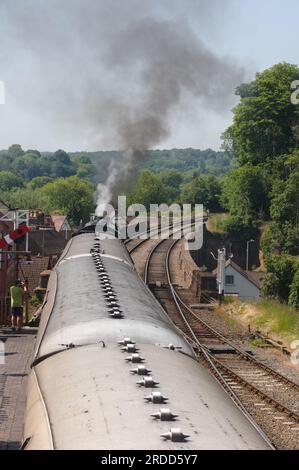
(221, 260)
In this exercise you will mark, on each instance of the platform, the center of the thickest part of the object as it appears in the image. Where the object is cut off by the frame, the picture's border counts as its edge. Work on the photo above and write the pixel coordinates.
(18, 350)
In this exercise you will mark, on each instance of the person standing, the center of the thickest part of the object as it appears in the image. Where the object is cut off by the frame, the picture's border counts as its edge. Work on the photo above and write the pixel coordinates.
(16, 302)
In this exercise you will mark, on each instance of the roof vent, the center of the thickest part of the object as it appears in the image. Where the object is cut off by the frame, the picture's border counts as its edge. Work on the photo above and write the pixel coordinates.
(130, 348)
(125, 341)
(135, 358)
(140, 370)
(113, 309)
(175, 435)
(116, 314)
(108, 290)
(147, 382)
(156, 397)
(110, 296)
(164, 415)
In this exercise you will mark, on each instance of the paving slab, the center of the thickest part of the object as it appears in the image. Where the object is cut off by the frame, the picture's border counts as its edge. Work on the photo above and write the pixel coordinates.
(14, 368)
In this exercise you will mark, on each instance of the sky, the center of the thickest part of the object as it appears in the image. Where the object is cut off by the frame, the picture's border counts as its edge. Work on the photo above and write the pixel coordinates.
(133, 74)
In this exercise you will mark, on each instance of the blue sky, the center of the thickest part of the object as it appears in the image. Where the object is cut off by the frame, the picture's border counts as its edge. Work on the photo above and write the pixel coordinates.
(36, 58)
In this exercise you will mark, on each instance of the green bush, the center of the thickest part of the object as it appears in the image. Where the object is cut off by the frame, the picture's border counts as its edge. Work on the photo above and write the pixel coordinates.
(280, 275)
(294, 292)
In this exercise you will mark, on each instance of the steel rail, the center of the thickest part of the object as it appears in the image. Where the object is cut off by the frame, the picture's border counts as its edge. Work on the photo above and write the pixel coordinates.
(214, 363)
(207, 356)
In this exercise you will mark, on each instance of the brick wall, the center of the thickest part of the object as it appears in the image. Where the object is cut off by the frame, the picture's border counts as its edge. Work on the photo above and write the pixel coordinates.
(188, 274)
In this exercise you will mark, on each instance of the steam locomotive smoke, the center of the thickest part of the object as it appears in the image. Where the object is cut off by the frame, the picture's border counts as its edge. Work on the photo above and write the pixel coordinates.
(113, 72)
(169, 63)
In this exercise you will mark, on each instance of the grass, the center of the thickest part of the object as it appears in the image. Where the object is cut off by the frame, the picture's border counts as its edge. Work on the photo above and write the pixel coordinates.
(233, 324)
(260, 343)
(277, 318)
(271, 317)
(216, 222)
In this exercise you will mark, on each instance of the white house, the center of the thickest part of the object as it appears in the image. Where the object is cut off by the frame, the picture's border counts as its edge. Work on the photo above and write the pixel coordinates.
(246, 284)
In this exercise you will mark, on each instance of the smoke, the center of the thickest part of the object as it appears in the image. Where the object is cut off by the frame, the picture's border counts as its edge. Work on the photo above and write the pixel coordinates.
(115, 71)
(169, 62)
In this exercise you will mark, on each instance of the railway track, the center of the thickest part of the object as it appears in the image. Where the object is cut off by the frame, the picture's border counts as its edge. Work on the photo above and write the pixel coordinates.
(269, 399)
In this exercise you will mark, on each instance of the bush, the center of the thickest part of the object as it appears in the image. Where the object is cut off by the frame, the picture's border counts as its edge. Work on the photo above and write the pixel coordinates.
(279, 279)
(294, 293)
(236, 228)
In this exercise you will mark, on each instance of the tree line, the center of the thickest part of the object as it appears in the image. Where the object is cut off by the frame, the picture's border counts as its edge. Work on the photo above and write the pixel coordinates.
(254, 178)
(29, 178)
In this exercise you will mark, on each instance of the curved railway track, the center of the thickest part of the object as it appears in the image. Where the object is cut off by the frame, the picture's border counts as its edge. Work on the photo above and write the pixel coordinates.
(269, 399)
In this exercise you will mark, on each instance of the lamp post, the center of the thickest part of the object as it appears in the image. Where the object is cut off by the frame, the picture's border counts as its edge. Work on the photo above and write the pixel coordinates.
(247, 253)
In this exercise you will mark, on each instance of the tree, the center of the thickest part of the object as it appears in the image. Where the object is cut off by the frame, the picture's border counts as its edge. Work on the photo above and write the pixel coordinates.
(265, 119)
(285, 199)
(172, 180)
(148, 190)
(38, 182)
(204, 190)
(70, 196)
(27, 166)
(9, 181)
(15, 150)
(294, 292)
(24, 198)
(244, 194)
(280, 274)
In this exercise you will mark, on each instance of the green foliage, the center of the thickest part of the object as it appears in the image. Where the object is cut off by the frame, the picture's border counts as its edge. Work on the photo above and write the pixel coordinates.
(15, 150)
(188, 160)
(239, 230)
(70, 196)
(38, 182)
(264, 141)
(36, 300)
(294, 291)
(244, 194)
(31, 164)
(148, 190)
(22, 198)
(204, 190)
(284, 237)
(84, 167)
(275, 317)
(285, 195)
(9, 181)
(280, 273)
(218, 223)
(265, 118)
(260, 343)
